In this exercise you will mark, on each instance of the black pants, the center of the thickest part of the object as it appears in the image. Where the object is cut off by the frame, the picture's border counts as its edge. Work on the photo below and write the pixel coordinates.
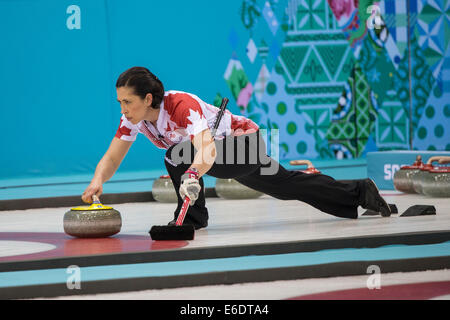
(244, 159)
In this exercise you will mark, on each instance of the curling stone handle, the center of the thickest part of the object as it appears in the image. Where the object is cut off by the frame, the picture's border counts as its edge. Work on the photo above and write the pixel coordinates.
(444, 159)
(95, 199)
(418, 160)
(301, 163)
(441, 159)
(183, 211)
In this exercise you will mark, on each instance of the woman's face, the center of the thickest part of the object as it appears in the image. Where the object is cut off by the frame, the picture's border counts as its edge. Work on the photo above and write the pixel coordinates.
(132, 106)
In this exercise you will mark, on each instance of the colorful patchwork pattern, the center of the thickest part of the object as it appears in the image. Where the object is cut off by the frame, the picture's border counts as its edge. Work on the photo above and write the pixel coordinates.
(376, 65)
(421, 83)
(351, 16)
(392, 130)
(395, 15)
(337, 86)
(276, 105)
(433, 28)
(240, 87)
(315, 61)
(354, 118)
(433, 129)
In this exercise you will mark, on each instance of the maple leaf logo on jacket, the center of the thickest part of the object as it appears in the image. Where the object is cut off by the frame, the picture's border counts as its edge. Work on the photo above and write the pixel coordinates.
(197, 123)
(124, 132)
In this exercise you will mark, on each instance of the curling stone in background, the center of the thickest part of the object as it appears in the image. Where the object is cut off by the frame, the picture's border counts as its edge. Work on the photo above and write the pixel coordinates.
(163, 190)
(437, 182)
(310, 167)
(403, 178)
(420, 176)
(231, 189)
(94, 221)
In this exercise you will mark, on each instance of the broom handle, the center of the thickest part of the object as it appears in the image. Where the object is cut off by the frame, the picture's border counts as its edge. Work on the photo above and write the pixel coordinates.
(223, 106)
(183, 211)
(186, 201)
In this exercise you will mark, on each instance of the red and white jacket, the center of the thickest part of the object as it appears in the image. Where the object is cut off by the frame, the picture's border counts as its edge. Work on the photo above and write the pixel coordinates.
(183, 115)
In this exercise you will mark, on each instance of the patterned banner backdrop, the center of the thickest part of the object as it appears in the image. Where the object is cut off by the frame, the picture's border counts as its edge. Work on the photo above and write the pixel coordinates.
(340, 78)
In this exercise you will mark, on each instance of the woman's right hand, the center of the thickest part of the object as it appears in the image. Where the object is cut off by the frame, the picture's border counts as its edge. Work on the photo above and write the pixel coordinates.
(106, 168)
(93, 188)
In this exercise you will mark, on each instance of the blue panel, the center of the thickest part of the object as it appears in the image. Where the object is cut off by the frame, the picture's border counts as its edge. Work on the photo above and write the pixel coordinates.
(58, 100)
(56, 117)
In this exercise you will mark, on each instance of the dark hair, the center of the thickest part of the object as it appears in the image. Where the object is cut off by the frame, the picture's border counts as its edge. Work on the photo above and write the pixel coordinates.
(142, 81)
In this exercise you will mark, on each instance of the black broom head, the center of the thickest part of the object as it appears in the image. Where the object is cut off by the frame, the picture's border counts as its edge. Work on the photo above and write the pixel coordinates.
(184, 232)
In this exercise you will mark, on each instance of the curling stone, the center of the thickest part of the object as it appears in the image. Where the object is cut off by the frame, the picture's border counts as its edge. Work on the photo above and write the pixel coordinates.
(420, 175)
(163, 190)
(94, 221)
(232, 189)
(437, 182)
(403, 178)
(310, 169)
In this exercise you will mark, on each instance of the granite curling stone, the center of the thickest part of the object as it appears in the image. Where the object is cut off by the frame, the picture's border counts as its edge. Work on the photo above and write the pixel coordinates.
(437, 182)
(403, 178)
(163, 190)
(94, 221)
(232, 189)
(420, 176)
